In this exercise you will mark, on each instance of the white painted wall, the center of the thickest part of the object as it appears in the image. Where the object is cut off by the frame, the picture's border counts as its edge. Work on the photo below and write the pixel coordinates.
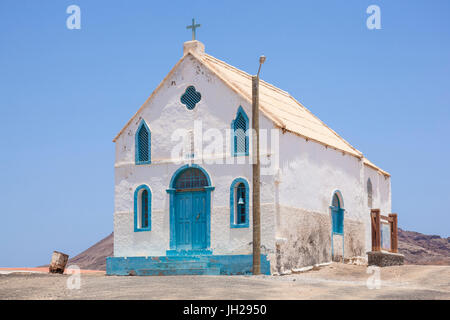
(163, 115)
(381, 196)
(310, 173)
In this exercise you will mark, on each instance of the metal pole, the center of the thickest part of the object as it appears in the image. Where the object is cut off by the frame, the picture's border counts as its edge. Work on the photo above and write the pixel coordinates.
(256, 178)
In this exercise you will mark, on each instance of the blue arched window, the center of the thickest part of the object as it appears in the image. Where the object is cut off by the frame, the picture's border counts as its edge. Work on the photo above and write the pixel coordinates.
(239, 204)
(143, 144)
(191, 178)
(142, 208)
(337, 214)
(239, 127)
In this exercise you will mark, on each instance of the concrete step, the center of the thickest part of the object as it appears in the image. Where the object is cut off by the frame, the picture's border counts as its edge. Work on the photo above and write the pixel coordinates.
(173, 270)
(185, 264)
(193, 265)
(177, 264)
(177, 272)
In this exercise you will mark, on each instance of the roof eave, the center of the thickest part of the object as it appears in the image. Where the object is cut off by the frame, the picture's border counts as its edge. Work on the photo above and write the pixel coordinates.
(152, 95)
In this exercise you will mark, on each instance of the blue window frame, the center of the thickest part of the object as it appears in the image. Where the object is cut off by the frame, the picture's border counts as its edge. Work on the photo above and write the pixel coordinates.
(143, 144)
(142, 208)
(239, 203)
(337, 215)
(239, 127)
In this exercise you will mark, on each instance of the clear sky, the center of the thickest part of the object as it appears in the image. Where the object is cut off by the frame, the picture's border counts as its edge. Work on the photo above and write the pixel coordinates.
(65, 94)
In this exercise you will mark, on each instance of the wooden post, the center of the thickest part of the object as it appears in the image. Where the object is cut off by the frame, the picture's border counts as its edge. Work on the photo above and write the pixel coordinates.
(256, 178)
(394, 232)
(376, 229)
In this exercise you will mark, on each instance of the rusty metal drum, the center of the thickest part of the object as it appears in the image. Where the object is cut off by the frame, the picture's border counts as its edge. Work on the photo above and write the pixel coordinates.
(58, 263)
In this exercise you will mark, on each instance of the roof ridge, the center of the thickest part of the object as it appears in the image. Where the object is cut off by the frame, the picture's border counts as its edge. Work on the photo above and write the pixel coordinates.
(247, 74)
(151, 95)
(211, 67)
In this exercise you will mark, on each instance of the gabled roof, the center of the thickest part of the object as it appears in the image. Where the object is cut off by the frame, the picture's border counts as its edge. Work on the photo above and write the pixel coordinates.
(277, 105)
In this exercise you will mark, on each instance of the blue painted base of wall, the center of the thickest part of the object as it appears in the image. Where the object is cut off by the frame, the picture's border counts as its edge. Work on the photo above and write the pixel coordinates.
(184, 265)
(199, 252)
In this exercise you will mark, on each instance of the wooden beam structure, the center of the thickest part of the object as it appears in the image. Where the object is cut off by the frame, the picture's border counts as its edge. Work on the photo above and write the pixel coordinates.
(376, 220)
(376, 229)
(394, 232)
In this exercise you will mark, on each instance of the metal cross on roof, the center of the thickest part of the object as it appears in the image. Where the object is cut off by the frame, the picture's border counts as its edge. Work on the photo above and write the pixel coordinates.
(193, 27)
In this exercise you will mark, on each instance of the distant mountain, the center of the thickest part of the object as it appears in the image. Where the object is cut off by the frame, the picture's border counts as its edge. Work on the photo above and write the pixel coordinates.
(94, 258)
(418, 248)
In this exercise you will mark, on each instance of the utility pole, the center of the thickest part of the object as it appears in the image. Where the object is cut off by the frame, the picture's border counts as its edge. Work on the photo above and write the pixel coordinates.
(256, 173)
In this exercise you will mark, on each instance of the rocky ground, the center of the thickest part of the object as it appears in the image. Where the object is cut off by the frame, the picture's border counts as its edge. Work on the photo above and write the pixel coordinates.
(418, 248)
(336, 281)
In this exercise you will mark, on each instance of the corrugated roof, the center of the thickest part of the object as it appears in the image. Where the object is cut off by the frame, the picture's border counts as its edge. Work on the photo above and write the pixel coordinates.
(276, 104)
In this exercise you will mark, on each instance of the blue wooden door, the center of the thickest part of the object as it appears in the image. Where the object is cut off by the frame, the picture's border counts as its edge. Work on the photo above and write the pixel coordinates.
(199, 220)
(190, 215)
(183, 213)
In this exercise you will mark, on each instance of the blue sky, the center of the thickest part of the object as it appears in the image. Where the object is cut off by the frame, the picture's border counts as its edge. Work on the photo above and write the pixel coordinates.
(64, 95)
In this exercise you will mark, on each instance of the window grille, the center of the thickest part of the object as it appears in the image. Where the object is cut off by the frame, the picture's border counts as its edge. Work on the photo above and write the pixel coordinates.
(144, 209)
(190, 179)
(143, 145)
(240, 137)
(190, 97)
(240, 205)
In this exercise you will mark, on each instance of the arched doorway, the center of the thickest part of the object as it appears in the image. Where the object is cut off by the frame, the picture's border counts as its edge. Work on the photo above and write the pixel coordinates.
(190, 209)
(337, 227)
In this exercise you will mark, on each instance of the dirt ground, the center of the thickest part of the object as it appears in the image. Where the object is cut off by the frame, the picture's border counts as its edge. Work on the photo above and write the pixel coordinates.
(336, 281)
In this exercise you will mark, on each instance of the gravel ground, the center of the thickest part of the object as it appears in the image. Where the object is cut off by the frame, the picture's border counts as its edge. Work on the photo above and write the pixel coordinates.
(336, 281)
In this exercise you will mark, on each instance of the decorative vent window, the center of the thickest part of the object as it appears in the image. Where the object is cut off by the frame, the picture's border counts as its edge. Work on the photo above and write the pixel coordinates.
(142, 209)
(337, 215)
(191, 179)
(239, 127)
(369, 193)
(190, 97)
(239, 203)
(143, 140)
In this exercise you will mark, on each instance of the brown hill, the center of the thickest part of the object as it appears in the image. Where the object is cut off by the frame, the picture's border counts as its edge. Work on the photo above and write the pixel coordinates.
(418, 248)
(94, 258)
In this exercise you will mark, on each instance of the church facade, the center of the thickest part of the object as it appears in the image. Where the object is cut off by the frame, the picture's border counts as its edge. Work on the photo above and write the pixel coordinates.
(183, 180)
